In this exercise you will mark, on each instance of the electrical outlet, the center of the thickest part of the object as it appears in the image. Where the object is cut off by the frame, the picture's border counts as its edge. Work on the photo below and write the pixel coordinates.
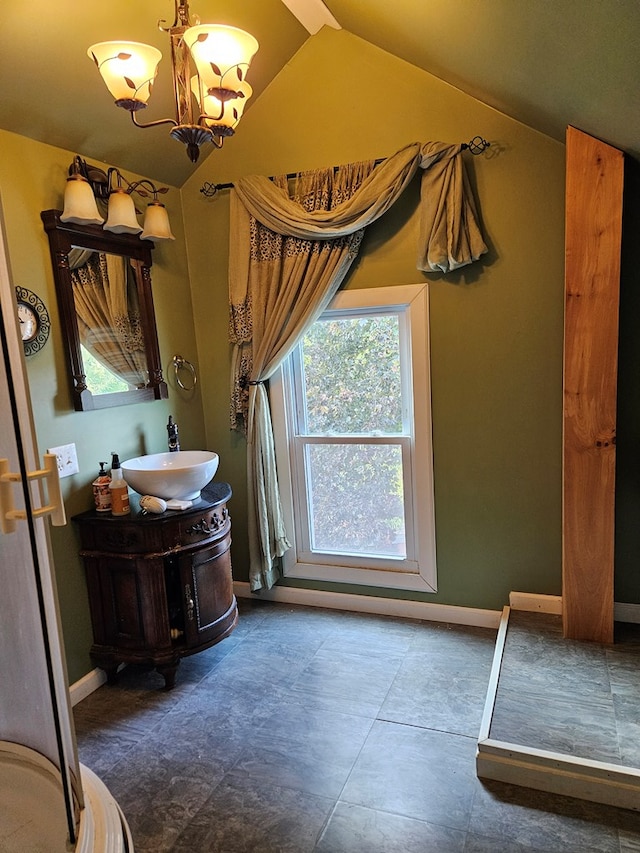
(67, 459)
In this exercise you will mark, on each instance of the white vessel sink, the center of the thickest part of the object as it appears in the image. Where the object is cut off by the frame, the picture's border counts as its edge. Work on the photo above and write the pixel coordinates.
(179, 475)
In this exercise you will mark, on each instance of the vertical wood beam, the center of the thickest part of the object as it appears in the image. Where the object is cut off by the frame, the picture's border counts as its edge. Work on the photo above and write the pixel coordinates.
(594, 188)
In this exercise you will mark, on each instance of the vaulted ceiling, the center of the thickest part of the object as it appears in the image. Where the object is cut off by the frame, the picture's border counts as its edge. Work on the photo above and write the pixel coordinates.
(547, 63)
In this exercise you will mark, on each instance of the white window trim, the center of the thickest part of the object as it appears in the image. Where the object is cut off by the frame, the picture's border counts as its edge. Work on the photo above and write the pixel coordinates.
(420, 573)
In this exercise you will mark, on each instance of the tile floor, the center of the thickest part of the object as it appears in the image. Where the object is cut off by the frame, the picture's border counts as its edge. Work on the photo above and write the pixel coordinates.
(313, 730)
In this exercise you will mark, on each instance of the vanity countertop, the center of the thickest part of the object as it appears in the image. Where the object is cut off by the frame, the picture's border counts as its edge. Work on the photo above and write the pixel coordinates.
(213, 494)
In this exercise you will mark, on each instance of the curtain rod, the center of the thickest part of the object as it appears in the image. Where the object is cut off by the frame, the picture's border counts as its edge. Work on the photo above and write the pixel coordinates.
(476, 146)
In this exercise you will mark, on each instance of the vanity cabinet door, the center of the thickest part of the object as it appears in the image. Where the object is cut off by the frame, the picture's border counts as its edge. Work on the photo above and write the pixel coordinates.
(209, 606)
(128, 602)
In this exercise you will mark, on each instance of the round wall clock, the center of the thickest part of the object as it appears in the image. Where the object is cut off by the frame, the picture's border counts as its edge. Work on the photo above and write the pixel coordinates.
(34, 320)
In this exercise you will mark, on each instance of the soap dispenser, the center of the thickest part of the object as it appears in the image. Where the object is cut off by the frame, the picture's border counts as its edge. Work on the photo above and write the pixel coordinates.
(118, 488)
(101, 491)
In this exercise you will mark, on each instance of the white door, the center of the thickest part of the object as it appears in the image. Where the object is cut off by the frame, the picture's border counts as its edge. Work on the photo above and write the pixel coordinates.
(35, 712)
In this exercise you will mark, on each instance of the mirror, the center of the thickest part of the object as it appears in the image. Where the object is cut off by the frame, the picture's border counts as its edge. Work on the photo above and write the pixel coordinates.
(103, 285)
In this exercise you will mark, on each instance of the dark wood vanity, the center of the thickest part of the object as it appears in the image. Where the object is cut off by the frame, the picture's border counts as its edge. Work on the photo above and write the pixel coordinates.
(160, 586)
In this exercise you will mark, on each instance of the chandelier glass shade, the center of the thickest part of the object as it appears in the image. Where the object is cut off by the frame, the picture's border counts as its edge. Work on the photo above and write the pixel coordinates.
(221, 121)
(128, 70)
(209, 103)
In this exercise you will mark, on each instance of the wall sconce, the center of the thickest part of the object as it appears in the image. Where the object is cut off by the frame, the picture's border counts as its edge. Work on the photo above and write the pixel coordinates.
(88, 184)
(209, 105)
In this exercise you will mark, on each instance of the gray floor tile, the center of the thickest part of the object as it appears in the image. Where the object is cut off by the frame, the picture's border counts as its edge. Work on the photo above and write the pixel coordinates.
(101, 750)
(160, 805)
(418, 773)
(446, 701)
(535, 819)
(352, 682)
(624, 672)
(317, 729)
(293, 766)
(536, 645)
(582, 726)
(243, 816)
(354, 829)
(257, 662)
(460, 642)
(484, 844)
(209, 745)
(305, 748)
(629, 842)
(627, 713)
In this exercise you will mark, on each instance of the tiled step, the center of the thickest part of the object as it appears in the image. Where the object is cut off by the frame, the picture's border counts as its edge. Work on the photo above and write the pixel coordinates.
(563, 716)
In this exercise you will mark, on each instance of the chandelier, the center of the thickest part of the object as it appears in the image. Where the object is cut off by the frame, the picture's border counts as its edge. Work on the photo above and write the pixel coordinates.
(208, 103)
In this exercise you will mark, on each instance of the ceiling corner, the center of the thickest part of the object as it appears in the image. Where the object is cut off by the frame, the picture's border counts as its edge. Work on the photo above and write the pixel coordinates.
(312, 14)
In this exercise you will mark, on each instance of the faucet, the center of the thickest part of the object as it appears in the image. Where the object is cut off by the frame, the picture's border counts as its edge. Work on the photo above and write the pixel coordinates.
(172, 430)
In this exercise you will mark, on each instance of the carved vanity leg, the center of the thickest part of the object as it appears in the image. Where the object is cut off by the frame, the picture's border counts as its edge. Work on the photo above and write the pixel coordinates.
(168, 672)
(109, 665)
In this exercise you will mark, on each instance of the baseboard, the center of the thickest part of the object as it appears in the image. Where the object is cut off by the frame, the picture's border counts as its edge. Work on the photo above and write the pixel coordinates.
(626, 612)
(422, 610)
(82, 688)
(535, 603)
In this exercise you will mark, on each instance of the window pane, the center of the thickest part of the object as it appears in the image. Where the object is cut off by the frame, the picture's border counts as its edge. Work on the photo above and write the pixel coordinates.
(352, 376)
(356, 502)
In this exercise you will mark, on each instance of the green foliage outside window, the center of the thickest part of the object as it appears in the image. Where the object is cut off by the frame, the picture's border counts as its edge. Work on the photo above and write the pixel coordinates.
(352, 376)
(99, 379)
(352, 382)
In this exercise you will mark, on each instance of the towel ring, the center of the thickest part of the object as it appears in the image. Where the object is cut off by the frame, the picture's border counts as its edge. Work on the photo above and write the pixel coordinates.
(180, 363)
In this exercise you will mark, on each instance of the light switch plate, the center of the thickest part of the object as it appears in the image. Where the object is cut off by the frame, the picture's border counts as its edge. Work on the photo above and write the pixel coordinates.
(67, 459)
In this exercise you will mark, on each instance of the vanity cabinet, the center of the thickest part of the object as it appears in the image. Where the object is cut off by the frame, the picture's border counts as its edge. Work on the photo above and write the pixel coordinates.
(160, 586)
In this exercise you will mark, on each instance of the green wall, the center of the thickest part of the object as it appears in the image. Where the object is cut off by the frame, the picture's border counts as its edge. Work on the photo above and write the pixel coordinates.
(32, 178)
(496, 326)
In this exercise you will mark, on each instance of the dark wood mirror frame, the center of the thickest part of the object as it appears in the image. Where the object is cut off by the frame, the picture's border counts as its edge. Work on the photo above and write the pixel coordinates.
(66, 236)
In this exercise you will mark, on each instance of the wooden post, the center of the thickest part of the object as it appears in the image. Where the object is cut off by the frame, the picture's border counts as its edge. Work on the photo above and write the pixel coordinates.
(594, 187)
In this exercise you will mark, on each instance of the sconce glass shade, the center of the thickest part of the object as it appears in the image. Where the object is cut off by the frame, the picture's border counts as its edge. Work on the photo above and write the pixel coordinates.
(220, 117)
(121, 213)
(156, 223)
(80, 203)
(129, 70)
(222, 56)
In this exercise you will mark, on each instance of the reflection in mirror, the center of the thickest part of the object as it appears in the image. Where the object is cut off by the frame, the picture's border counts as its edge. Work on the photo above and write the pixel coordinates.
(105, 296)
(100, 380)
(103, 284)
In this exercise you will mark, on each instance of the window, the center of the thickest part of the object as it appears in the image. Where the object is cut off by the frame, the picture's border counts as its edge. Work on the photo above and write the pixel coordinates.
(351, 413)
